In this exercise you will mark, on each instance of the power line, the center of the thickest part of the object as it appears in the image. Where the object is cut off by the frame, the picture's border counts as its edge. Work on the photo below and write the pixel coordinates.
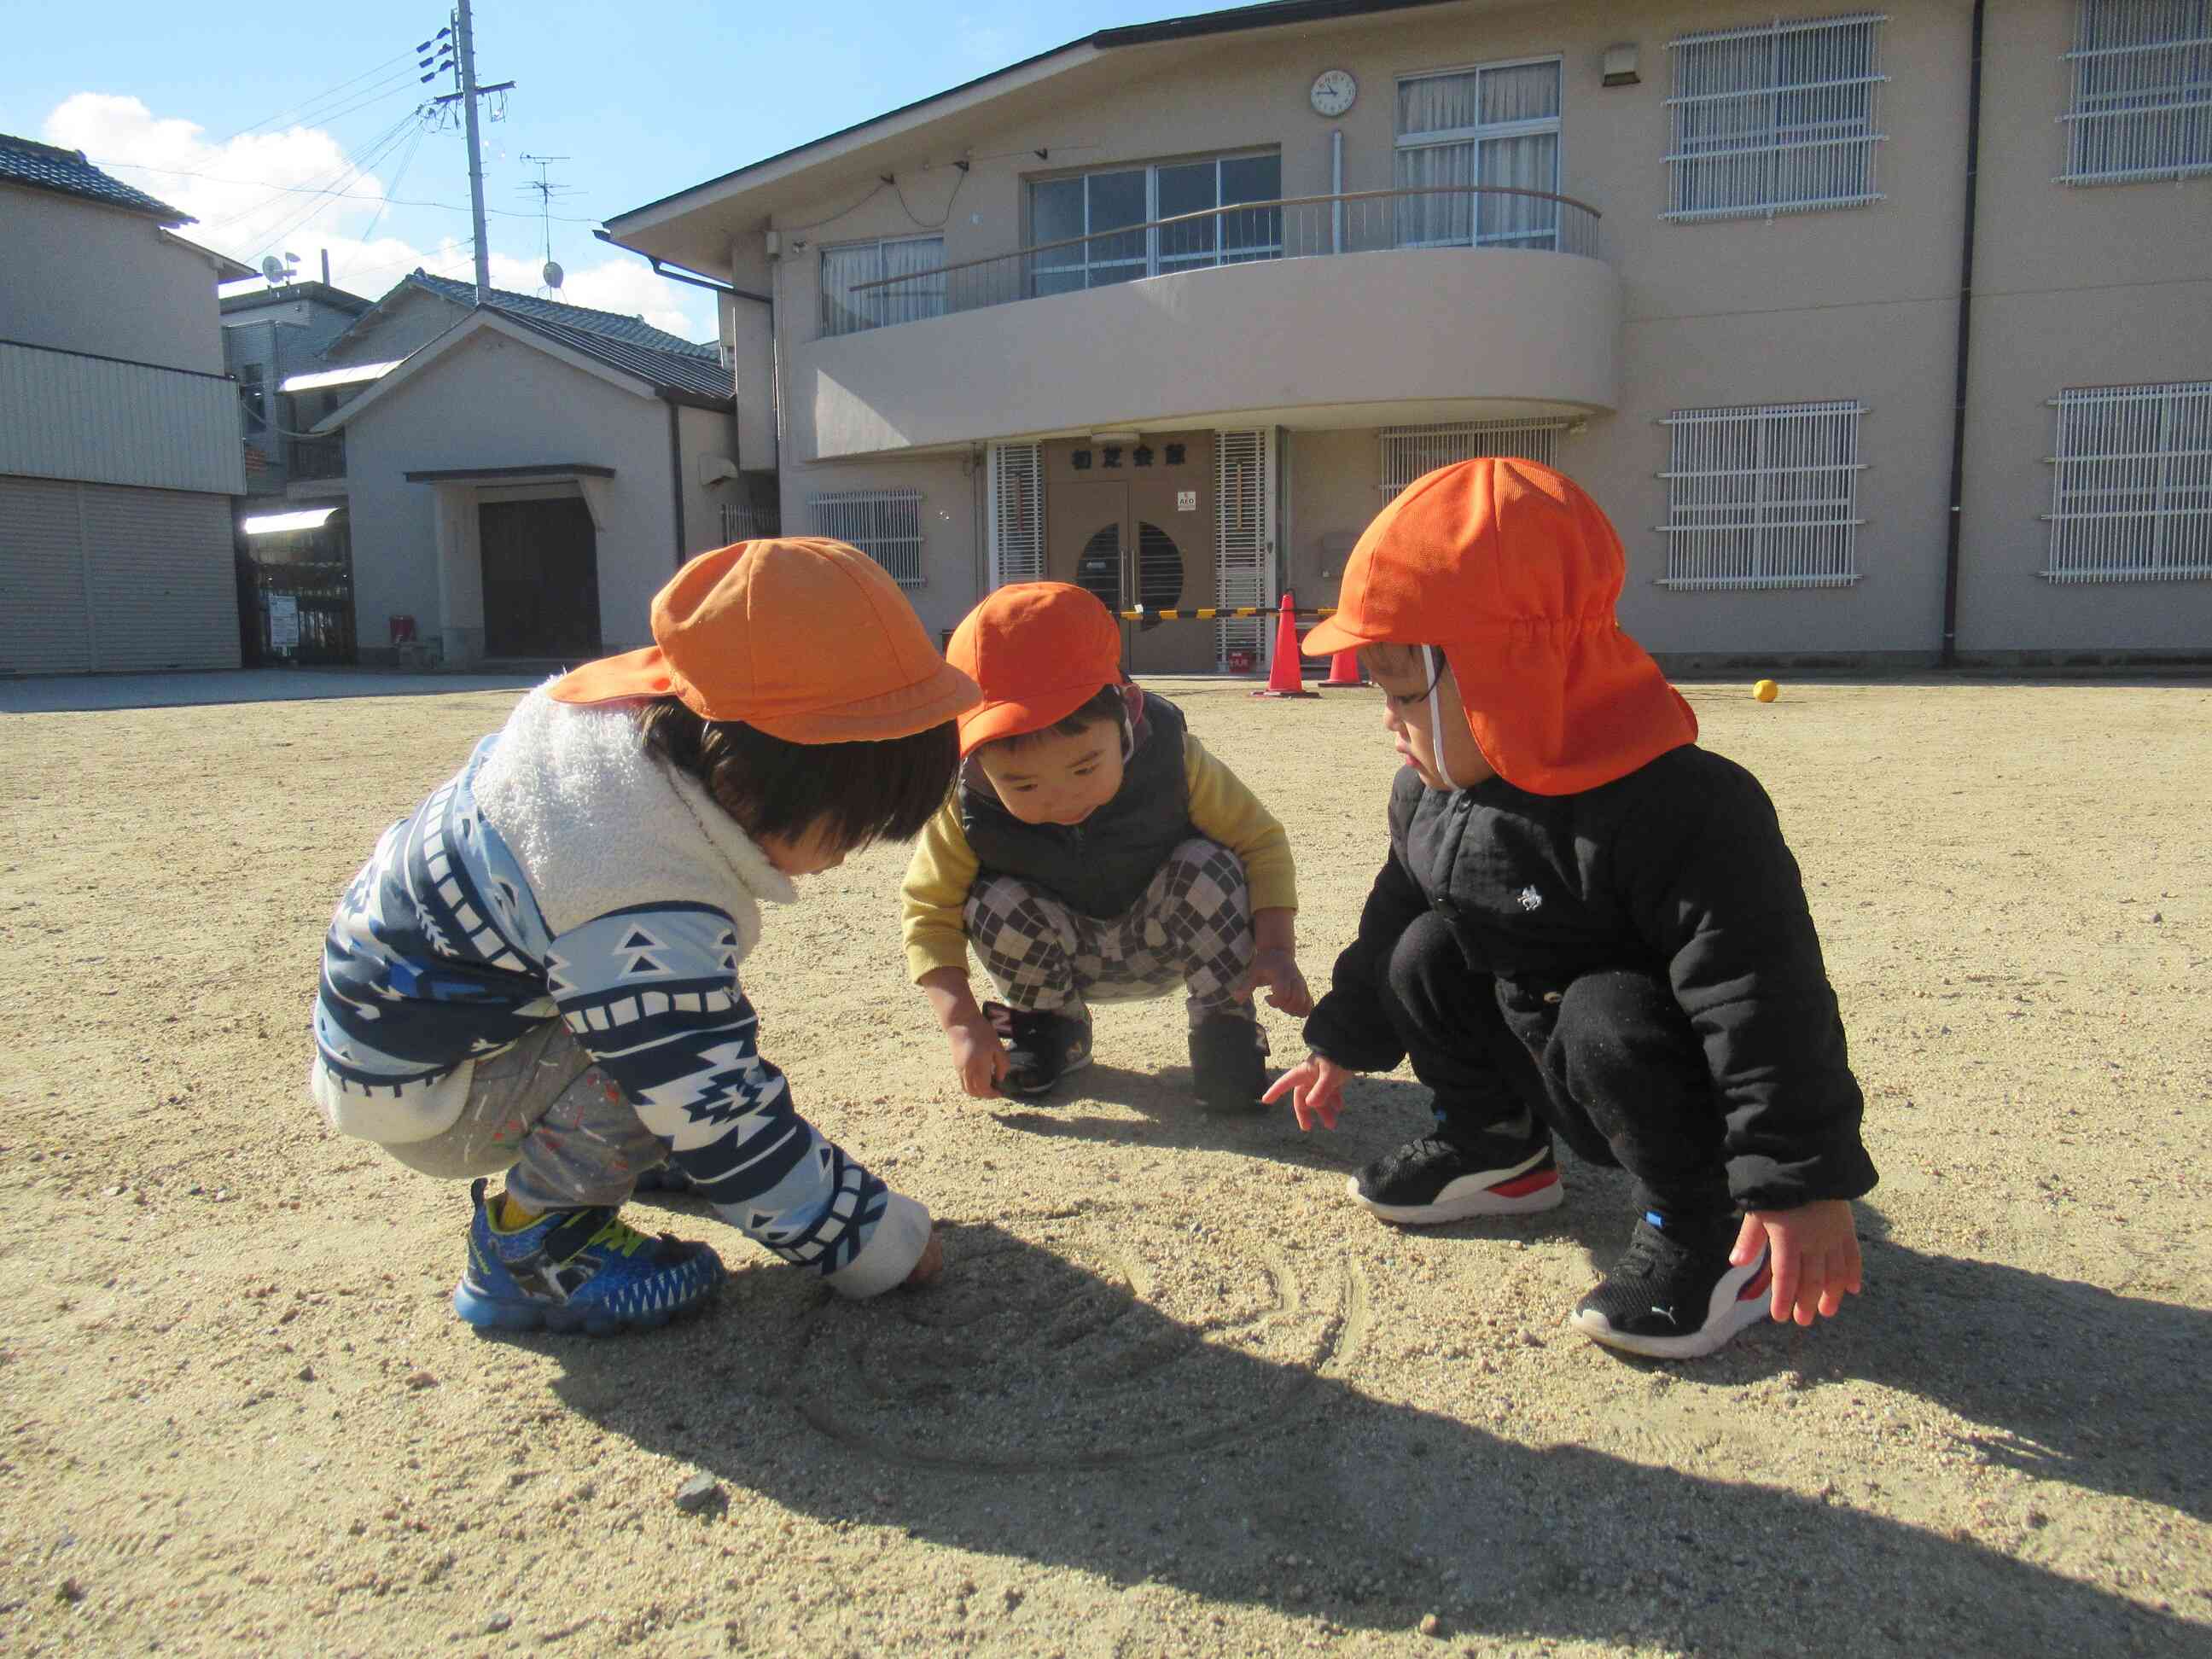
(354, 196)
(298, 109)
(384, 147)
(349, 165)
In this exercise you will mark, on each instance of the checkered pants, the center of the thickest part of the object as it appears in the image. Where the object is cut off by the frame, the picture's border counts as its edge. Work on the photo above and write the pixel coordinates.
(1194, 924)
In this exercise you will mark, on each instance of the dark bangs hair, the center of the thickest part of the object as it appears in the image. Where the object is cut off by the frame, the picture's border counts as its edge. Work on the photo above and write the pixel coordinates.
(1393, 659)
(858, 792)
(1106, 709)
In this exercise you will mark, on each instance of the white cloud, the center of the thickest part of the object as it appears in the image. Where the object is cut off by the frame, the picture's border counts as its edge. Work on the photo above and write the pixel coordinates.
(298, 191)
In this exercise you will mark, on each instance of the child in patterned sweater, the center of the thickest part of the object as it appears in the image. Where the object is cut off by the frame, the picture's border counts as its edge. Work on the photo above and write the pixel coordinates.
(536, 971)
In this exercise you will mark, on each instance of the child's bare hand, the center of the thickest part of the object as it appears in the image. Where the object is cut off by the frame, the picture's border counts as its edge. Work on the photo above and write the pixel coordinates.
(1286, 986)
(931, 1265)
(1815, 1260)
(1315, 1087)
(978, 1056)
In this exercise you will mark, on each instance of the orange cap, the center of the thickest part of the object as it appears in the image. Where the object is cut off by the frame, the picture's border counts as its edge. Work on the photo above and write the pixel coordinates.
(1512, 571)
(804, 638)
(1040, 651)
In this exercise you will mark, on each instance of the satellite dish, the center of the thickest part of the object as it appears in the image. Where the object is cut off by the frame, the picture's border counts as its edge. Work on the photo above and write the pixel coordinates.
(273, 270)
(553, 274)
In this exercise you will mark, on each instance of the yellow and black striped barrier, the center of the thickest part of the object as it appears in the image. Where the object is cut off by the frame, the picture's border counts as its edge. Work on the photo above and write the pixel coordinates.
(1211, 613)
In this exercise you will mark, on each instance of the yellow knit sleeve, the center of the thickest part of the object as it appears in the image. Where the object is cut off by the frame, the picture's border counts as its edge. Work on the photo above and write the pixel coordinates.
(1224, 809)
(935, 890)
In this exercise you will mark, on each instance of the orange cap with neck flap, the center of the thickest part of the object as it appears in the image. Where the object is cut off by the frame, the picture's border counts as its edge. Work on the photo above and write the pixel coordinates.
(1511, 570)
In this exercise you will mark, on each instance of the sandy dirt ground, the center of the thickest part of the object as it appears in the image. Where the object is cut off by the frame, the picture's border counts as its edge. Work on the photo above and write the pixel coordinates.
(1175, 1396)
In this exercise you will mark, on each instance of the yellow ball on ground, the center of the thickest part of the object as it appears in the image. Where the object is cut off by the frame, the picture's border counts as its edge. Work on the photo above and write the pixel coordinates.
(1766, 691)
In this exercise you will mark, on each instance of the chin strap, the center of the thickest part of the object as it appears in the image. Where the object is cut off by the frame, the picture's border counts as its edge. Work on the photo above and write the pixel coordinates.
(1433, 664)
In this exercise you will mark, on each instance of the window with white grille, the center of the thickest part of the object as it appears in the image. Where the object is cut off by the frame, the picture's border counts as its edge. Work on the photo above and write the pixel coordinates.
(2132, 500)
(2141, 107)
(1763, 495)
(919, 260)
(884, 524)
(1016, 516)
(1409, 451)
(1496, 124)
(1245, 543)
(1778, 118)
(745, 524)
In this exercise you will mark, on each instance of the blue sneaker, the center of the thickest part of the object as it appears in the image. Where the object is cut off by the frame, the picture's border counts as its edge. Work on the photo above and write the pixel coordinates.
(578, 1270)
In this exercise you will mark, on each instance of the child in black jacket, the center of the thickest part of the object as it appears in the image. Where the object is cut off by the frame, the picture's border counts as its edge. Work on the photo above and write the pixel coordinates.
(1586, 926)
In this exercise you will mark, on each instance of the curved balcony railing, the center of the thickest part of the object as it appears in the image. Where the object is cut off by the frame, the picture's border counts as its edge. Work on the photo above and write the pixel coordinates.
(1295, 228)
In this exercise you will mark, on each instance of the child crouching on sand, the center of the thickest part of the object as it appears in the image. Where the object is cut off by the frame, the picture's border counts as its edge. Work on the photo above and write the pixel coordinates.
(1093, 850)
(1586, 925)
(536, 971)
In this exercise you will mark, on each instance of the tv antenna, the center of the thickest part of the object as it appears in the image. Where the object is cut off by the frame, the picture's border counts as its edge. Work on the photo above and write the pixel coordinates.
(547, 190)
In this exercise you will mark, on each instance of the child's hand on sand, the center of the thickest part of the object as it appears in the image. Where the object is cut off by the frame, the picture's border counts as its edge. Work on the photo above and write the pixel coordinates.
(1815, 1256)
(1315, 1087)
(977, 1056)
(931, 1264)
(1277, 970)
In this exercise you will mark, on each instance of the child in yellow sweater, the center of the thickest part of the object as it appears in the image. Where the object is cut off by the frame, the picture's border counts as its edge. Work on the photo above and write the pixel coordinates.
(1092, 850)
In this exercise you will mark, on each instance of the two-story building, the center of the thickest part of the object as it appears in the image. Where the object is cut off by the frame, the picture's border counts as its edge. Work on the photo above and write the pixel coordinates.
(118, 428)
(1172, 310)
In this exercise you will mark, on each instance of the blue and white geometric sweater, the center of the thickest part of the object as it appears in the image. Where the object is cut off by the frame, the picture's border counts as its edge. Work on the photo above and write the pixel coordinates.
(564, 872)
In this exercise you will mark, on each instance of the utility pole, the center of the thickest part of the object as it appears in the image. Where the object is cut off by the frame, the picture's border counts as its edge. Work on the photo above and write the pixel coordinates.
(465, 39)
(463, 62)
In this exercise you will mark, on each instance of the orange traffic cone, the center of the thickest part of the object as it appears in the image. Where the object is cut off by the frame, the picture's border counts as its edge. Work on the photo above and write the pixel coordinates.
(1344, 673)
(1283, 680)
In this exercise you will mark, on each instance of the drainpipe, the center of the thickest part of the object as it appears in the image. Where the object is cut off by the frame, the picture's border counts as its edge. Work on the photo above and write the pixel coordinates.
(1947, 656)
(1336, 189)
(676, 474)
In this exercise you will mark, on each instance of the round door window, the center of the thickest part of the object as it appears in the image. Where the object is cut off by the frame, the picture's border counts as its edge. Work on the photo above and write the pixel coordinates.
(1159, 571)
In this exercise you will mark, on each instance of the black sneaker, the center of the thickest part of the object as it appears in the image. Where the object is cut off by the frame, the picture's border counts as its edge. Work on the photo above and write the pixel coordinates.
(1433, 1179)
(666, 1178)
(1674, 1294)
(1040, 1048)
(1227, 1064)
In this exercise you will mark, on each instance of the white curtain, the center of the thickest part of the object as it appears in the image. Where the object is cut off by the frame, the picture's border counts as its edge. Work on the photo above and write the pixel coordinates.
(1469, 104)
(922, 295)
(844, 269)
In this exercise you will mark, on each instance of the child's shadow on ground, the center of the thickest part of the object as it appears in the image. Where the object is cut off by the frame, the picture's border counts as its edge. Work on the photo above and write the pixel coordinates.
(1037, 1404)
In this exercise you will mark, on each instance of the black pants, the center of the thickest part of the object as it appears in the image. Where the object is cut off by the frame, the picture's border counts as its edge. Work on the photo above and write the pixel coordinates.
(1607, 1059)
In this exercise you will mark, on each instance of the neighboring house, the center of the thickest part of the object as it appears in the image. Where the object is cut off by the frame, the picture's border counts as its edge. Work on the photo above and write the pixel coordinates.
(1172, 310)
(272, 337)
(518, 479)
(118, 428)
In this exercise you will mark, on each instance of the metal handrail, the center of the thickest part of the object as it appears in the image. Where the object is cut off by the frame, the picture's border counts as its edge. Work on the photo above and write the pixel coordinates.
(1216, 212)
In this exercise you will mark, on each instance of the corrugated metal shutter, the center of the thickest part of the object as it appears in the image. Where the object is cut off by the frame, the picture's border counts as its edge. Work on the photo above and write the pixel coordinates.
(164, 583)
(42, 618)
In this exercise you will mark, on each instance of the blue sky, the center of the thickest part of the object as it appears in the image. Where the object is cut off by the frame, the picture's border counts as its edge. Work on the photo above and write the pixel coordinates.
(643, 98)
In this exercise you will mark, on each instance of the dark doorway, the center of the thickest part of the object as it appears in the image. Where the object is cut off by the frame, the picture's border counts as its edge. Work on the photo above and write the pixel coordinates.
(541, 578)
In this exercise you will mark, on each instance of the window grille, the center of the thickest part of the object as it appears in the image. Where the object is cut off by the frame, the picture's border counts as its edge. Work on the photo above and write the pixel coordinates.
(1777, 117)
(1763, 496)
(746, 524)
(1496, 124)
(2141, 107)
(884, 524)
(1242, 547)
(2131, 494)
(1016, 516)
(1410, 452)
(920, 259)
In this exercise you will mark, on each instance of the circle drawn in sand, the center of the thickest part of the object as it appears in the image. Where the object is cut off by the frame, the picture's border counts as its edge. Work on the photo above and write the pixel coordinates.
(1078, 1342)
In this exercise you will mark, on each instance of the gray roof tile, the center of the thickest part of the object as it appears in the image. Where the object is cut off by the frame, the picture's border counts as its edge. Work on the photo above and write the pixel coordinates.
(44, 167)
(609, 324)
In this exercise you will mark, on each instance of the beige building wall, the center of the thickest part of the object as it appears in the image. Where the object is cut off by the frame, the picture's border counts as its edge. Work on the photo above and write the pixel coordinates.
(76, 276)
(2076, 286)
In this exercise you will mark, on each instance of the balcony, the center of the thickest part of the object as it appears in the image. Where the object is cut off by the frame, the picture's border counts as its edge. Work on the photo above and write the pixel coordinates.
(1378, 305)
(319, 458)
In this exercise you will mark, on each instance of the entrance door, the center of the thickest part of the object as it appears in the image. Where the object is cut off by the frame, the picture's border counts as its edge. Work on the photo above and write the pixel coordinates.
(1145, 538)
(541, 578)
